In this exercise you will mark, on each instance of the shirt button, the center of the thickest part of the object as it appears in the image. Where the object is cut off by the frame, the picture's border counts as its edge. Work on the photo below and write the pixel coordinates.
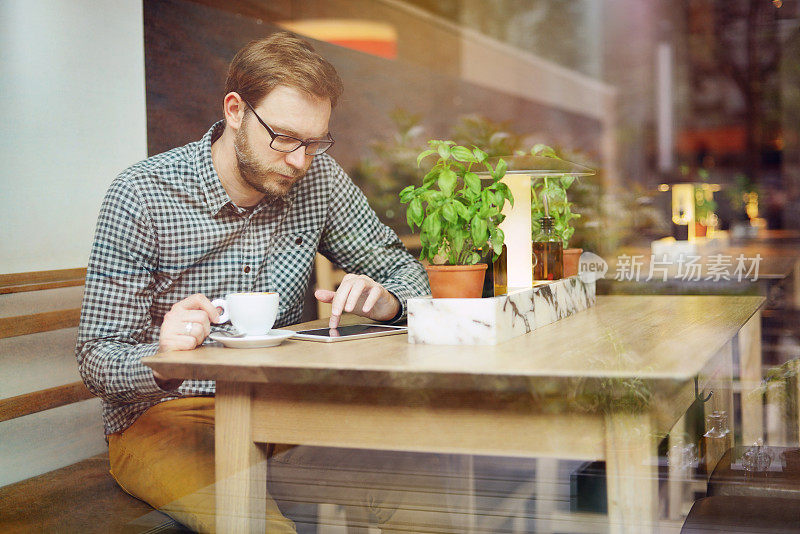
(246, 268)
(298, 241)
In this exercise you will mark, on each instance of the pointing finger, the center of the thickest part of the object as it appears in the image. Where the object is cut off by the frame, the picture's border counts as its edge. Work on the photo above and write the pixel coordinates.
(374, 295)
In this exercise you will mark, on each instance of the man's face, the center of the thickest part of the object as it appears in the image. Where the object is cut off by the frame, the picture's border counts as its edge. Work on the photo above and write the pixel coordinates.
(287, 111)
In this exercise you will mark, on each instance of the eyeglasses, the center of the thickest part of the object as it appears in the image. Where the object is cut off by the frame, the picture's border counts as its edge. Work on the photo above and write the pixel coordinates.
(287, 143)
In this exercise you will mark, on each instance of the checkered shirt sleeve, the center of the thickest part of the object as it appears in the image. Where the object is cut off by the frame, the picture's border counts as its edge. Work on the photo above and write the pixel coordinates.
(167, 230)
(355, 239)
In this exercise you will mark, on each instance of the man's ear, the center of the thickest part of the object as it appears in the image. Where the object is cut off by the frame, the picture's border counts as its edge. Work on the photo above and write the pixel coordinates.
(233, 107)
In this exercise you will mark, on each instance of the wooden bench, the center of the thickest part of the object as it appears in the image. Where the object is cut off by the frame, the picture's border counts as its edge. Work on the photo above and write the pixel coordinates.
(81, 497)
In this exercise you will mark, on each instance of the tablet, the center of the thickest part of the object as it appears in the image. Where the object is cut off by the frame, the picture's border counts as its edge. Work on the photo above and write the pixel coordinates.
(353, 331)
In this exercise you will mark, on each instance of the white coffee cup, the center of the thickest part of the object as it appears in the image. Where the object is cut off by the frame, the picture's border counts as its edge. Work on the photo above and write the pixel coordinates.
(252, 314)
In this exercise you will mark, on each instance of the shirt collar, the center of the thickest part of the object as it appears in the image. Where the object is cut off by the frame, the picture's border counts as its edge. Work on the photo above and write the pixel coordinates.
(216, 196)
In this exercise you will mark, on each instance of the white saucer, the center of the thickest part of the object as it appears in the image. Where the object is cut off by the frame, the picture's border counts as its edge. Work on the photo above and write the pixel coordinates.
(274, 337)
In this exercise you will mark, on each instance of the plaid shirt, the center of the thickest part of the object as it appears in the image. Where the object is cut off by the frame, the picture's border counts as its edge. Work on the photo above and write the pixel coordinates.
(167, 229)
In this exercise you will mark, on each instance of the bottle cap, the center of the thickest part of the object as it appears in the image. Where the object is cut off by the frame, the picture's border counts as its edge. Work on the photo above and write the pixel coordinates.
(547, 223)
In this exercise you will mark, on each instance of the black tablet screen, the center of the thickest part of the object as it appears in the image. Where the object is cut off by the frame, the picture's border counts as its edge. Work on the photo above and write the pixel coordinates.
(350, 330)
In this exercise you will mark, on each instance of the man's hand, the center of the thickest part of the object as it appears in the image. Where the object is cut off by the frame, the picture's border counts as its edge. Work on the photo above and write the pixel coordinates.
(185, 326)
(361, 295)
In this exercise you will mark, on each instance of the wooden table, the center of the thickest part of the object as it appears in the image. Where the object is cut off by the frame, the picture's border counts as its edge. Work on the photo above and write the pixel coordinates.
(607, 383)
(778, 281)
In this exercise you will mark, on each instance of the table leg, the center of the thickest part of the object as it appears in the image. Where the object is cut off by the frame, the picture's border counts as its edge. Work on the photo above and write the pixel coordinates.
(750, 379)
(678, 470)
(796, 285)
(776, 414)
(546, 493)
(240, 463)
(721, 400)
(795, 366)
(631, 473)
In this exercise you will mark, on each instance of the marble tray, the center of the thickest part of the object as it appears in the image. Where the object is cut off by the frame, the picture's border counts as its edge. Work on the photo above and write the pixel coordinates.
(490, 321)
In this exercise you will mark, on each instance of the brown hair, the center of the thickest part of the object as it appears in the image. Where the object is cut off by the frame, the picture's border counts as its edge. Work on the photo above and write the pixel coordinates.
(281, 59)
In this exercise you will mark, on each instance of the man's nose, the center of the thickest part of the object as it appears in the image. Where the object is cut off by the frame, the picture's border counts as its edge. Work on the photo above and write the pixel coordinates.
(297, 158)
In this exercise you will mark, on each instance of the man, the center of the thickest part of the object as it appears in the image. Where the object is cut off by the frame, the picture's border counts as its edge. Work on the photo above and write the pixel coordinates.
(244, 209)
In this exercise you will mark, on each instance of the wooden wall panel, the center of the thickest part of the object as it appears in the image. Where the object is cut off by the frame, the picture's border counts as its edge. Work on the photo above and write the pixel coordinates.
(188, 46)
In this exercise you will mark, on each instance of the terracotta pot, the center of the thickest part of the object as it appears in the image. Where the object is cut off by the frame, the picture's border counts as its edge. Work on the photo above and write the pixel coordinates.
(456, 281)
(700, 229)
(572, 257)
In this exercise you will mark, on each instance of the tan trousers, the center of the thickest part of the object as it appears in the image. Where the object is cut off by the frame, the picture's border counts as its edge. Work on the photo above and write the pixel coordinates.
(166, 458)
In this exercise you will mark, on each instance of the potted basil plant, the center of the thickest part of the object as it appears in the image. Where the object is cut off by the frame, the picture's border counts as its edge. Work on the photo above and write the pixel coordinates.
(559, 208)
(458, 216)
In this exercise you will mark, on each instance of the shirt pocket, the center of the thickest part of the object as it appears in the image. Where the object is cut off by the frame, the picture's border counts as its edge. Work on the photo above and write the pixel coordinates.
(289, 265)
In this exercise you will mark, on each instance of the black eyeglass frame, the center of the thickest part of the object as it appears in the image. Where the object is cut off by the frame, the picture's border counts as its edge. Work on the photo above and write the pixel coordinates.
(300, 142)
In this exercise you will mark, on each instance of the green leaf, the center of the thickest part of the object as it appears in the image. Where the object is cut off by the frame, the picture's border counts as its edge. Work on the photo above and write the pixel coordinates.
(503, 188)
(444, 151)
(409, 219)
(480, 233)
(415, 209)
(473, 258)
(447, 181)
(497, 238)
(480, 155)
(555, 193)
(567, 180)
(436, 227)
(462, 154)
(449, 212)
(434, 199)
(431, 176)
(543, 150)
(433, 225)
(499, 199)
(456, 237)
(424, 155)
(406, 194)
(462, 210)
(500, 169)
(473, 182)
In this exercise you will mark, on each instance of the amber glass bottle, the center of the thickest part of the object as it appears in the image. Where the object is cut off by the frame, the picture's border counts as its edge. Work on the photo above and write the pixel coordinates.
(548, 254)
(500, 273)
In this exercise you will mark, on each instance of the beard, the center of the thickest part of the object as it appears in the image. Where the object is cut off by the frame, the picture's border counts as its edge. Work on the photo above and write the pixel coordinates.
(261, 176)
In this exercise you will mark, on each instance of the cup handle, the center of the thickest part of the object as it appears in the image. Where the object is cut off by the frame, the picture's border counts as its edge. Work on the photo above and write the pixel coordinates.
(222, 308)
